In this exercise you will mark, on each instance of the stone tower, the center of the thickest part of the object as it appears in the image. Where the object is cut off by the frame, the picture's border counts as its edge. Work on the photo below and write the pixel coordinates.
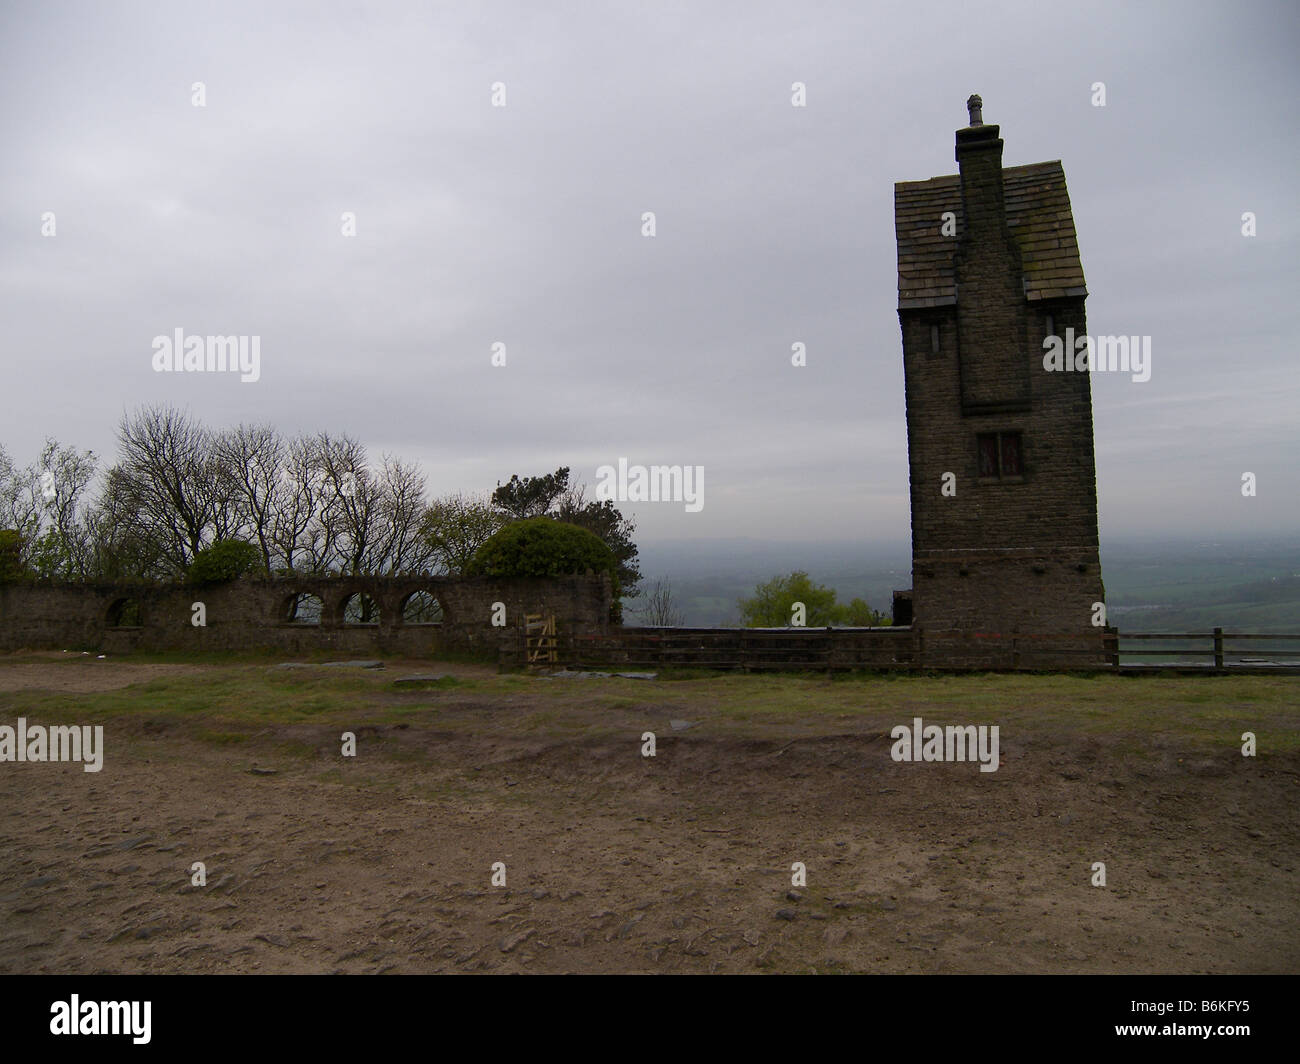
(1005, 562)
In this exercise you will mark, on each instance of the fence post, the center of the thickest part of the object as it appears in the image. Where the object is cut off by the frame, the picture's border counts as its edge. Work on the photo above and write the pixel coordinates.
(1218, 648)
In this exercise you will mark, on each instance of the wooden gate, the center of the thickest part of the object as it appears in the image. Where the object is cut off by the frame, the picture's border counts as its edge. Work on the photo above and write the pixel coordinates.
(539, 637)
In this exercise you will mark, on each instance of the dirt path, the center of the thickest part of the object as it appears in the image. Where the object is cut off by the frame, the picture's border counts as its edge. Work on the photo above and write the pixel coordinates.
(86, 673)
(619, 863)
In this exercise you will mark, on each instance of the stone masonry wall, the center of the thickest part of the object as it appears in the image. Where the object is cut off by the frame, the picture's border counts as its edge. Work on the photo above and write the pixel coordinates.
(250, 614)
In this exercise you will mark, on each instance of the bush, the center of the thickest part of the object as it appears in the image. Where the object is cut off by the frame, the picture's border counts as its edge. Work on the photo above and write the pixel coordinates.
(857, 614)
(11, 556)
(541, 546)
(772, 605)
(227, 559)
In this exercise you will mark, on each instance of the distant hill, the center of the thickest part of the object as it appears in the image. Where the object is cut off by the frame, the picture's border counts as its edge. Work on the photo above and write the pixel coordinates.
(1151, 586)
(1245, 586)
(709, 577)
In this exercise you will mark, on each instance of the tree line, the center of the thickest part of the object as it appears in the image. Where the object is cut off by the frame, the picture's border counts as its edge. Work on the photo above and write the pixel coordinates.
(308, 504)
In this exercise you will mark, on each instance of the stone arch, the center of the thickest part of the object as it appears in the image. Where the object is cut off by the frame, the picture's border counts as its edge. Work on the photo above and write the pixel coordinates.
(359, 608)
(420, 607)
(302, 607)
(124, 612)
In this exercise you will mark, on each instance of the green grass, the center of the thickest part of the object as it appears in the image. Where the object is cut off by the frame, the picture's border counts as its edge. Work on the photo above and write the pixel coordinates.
(220, 738)
(443, 684)
(225, 705)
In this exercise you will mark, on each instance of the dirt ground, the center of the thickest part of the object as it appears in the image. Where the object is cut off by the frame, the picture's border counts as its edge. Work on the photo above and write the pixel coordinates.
(87, 676)
(617, 862)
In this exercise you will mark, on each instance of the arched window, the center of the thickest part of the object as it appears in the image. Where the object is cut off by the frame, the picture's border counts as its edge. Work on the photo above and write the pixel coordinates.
(124, 613)
(303, 609)
(420, 607)
(360, 609)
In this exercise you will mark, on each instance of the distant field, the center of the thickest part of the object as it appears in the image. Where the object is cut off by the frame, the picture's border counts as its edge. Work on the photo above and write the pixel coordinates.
(1250, 587)
(1161, 587)
(619, 862)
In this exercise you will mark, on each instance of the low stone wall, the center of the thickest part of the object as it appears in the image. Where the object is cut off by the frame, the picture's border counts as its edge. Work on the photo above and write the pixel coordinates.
(901, 648)
(747, 648)
(249, 614)
(1087, 649)
(254, 613)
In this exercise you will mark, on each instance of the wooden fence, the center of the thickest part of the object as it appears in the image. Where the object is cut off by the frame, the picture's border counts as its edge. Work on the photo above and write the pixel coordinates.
(1218, 654)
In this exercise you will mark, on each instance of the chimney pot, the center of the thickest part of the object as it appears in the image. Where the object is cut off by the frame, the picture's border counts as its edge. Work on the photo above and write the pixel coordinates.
(975, 106)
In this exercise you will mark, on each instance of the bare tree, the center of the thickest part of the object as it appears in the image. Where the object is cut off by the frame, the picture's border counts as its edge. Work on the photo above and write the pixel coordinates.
(120, 545)
(168, 475)
(455, 526)
(60, 477)
(398, 546)
(295, 505)
(660, 611)
(252, 456)
(351, 508)
(46, 504)
(10, 490)
(20, 502)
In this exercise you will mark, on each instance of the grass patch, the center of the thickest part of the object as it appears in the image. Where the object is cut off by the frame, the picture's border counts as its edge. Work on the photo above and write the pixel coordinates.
(296, 749)
(678, 675)
(220, 738)
(243, 696)
(441, 684)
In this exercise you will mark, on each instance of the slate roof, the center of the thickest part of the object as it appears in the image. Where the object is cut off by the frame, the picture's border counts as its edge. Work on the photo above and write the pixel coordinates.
(1038, 215)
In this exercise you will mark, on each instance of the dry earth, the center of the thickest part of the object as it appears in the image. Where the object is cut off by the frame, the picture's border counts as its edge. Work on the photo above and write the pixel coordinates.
(620, 863)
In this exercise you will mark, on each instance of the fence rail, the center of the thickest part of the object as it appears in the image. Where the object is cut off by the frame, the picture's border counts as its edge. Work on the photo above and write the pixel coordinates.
(1218, 652)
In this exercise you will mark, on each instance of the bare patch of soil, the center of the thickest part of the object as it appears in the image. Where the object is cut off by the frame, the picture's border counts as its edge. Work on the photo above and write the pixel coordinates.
(617, 862)
(89, 673)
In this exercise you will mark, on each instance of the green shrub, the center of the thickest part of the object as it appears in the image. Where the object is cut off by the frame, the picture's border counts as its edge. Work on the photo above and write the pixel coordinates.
(772, 602)
(542, 546)
(227, 559)
(11, 556)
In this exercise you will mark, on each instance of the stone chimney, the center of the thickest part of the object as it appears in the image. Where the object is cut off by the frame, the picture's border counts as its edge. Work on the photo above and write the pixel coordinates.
(979, 154)
(991, 323)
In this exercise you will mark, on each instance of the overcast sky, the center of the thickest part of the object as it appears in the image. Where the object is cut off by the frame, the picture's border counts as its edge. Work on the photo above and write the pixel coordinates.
(522, 225)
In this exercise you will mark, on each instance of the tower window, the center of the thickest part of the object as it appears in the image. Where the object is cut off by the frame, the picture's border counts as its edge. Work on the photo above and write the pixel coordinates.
(934, 339)
(1000, 455)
